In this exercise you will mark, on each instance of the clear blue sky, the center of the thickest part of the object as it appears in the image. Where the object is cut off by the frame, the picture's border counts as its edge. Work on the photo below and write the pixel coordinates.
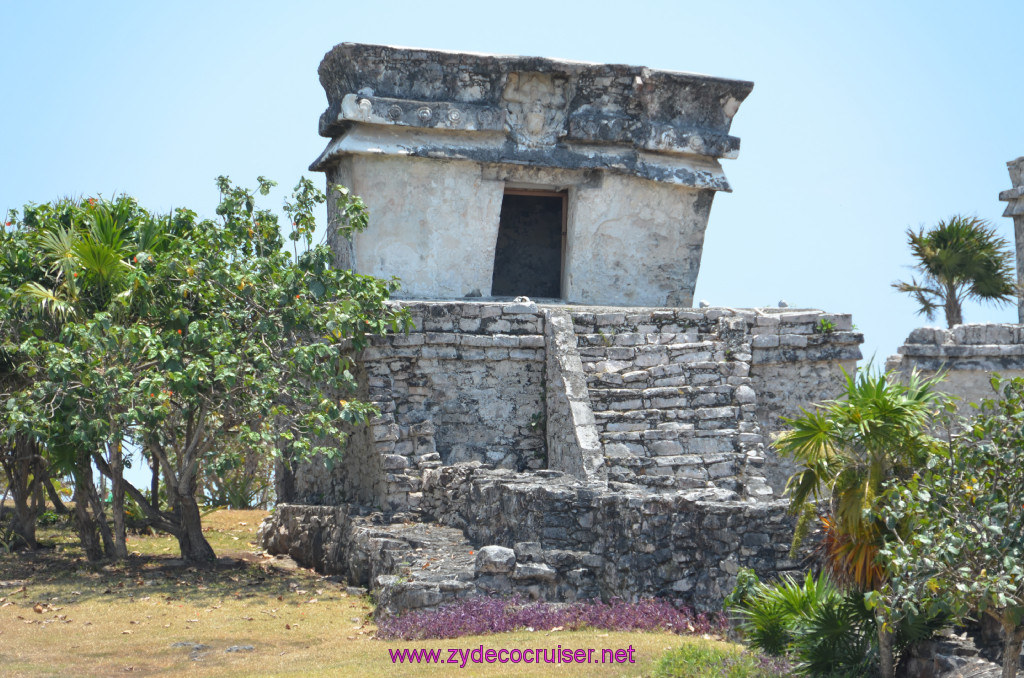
(866, 118)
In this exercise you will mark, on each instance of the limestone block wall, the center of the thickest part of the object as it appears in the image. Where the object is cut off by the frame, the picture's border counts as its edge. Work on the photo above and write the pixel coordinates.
(667, 399)
(684, 545)
(573, 442)
(671, 396)
(968, 354)
(795, 363)
(466, 384)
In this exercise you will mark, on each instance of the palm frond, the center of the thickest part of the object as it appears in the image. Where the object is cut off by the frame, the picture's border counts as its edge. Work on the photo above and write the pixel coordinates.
(960, 258)
(58, 246)
(45, 301)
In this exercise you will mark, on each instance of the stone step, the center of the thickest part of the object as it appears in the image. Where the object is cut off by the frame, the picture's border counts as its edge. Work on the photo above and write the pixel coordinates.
(640, 339)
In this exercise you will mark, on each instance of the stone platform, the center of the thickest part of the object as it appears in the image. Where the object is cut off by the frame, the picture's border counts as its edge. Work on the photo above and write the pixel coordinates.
(546, 535)
(619, 452)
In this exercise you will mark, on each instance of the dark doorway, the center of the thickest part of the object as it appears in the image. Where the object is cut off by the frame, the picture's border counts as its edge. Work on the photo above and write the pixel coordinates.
(528, 254)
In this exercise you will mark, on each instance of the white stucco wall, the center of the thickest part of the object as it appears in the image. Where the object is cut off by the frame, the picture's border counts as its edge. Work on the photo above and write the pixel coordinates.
(634, 242)
(433, 223)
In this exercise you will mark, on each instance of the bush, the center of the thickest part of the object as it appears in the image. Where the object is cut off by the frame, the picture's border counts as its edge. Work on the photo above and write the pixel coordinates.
(703, 659)
(825, 631)
(836, 637)
(770, 614)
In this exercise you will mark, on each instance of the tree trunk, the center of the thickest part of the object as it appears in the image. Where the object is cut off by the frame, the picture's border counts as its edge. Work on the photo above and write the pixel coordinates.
(86, 526)
(1013, 637)
(117, 501)
(24, 523)
(24, 472)
(191, 540)
(154, 485)
(92, 498)
(58, 503)
(954, 314)
(886, 663)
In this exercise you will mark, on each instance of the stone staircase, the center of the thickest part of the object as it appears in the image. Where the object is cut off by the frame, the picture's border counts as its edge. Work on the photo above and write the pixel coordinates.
(672, 400)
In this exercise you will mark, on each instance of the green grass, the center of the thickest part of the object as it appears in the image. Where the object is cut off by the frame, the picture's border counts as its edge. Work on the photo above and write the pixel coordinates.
(708, 659)
(61, 616)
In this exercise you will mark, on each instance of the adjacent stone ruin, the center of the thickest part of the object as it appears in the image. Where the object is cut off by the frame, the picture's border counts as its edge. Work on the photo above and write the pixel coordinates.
(605, 440)
(970, 354)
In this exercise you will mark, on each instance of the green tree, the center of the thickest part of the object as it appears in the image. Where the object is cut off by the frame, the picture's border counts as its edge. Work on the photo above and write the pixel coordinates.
(213, 335)
(959, 259)
(962, 542)
(849, 448)
(80, 253)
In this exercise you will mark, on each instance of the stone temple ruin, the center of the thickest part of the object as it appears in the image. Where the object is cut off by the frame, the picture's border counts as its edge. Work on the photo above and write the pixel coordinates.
(969, 354)
(561, 423)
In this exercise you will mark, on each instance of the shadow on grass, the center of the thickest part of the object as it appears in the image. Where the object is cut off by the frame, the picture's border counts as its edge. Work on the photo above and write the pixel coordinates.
(58, 570)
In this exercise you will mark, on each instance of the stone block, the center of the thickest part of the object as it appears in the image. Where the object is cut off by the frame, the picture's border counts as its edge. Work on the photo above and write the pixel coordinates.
(529, 552)
(765, 341)
(495, 560)
(666, 448)
(744, 394)
(534, 572)
(394, 462)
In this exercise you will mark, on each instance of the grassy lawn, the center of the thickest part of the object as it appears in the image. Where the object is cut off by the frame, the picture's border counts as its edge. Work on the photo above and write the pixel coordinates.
(62, 617)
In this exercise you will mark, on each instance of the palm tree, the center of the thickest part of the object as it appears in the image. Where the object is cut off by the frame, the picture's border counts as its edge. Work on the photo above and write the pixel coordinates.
(849, 448)
(959, 259)
(87, 253)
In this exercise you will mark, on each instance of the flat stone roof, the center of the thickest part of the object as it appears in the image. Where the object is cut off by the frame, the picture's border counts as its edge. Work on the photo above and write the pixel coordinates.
(661, 125)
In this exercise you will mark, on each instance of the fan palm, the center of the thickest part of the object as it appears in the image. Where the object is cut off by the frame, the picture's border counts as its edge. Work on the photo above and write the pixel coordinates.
(848, 449)
(959, 259)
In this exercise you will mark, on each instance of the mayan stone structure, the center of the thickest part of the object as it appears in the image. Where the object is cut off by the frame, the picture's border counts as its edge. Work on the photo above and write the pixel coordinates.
(1014, 199)
(526, 176)
(558, 408)
(970, 354)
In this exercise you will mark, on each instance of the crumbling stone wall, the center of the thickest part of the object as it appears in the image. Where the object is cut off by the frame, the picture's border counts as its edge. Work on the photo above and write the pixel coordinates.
(968, 354)
(667, 398)
(795, 363)
(559, 538)
(467, 383)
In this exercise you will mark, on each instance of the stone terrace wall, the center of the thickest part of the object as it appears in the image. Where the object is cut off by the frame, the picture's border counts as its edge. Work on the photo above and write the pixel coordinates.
(467, 383)
(969, 354)
(794, 364)
(668, 398)
(568, 540)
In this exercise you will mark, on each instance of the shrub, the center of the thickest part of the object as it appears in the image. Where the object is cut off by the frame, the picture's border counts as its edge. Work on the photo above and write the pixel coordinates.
(836, 637)
(824, 631)
(769, 615)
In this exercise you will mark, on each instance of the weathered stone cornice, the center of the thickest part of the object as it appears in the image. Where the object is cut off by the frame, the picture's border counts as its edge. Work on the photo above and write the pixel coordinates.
(660, 125)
